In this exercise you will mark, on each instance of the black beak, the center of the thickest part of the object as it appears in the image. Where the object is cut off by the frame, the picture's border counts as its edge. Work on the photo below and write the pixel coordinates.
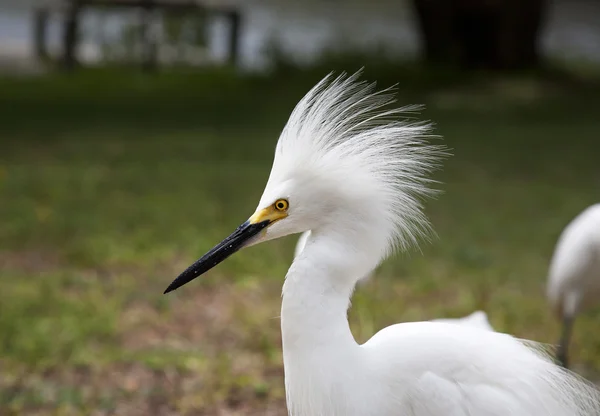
(238, 239)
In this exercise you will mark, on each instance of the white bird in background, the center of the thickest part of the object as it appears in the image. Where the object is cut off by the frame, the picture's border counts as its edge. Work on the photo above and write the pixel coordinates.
(574, 276)
(345, 169)
(476, 319)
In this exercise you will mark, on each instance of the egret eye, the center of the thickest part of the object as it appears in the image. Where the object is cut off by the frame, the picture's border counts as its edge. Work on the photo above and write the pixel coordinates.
(281, 205)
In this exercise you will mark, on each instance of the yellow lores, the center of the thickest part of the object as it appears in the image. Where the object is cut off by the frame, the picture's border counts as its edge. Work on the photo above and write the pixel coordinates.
(272, 213)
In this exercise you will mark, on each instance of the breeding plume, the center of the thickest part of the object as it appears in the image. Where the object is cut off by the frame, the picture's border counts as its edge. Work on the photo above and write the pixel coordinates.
(348, 170)
(574, 276)
(477, 319)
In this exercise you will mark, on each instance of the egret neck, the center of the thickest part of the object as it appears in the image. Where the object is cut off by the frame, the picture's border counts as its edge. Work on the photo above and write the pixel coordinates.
(318, 346)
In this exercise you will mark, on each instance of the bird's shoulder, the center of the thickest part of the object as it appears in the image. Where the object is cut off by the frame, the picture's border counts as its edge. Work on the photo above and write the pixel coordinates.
(584, 228)
(576, 255)
(473, 371)
(459, 350)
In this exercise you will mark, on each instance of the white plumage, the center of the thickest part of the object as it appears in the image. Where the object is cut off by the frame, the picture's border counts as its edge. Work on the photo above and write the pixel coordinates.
(302, 242)
(574, 276)
(347, 170)
(477, 319)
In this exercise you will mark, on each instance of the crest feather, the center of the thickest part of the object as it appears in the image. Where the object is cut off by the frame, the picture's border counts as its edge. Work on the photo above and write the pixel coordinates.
(345, 126)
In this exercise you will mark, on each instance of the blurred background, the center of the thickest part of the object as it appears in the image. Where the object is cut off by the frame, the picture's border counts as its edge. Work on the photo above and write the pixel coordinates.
(136, 134)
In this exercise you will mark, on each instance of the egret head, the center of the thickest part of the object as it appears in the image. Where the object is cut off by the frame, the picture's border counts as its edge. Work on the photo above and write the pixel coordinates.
(344, 164)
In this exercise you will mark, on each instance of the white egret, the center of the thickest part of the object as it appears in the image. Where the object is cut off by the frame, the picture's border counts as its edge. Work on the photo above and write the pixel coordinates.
(574, 275)
(347, 170)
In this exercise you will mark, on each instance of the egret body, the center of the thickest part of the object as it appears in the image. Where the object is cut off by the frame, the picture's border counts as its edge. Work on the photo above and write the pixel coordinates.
(574, 276)
(347, 170)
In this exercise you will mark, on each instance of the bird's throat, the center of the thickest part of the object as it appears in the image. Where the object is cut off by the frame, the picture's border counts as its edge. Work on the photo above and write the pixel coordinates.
(314, 314)
(316, 296)
(318, 346)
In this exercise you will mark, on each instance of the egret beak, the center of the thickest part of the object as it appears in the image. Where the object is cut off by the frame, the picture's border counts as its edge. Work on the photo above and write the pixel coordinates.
(240, 238)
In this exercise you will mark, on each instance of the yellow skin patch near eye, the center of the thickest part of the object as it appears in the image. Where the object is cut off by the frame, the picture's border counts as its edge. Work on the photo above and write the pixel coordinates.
(272, 213)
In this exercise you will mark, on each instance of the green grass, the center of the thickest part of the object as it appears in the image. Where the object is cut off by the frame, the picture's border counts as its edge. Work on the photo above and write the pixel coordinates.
(112, 183)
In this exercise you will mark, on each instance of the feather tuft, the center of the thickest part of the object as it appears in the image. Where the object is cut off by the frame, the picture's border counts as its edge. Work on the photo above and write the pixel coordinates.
(346, 127)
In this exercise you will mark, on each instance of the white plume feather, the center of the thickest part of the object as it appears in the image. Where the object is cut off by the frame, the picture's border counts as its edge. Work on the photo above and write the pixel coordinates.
(343, 129)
